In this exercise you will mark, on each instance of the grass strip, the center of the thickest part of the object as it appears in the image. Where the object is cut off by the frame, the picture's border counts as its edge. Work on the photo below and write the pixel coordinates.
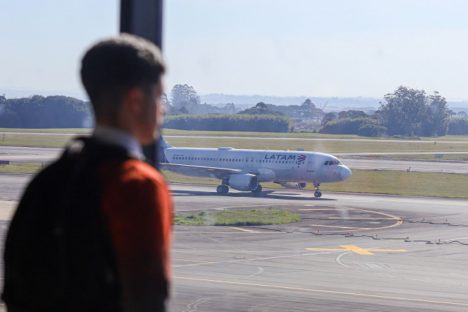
(34, 140)
(403, 183)
(245, 134)
(251, 217)
(352, 143)
(421, 157)
(24, 168)
(325, 146)
(449, 185)
(48, 130)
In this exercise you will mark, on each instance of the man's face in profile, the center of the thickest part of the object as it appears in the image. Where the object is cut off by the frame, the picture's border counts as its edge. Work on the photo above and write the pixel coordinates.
(150, 120)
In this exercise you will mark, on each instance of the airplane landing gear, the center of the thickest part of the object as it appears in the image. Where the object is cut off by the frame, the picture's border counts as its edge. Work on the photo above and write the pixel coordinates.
(258, 189)
(317, 192)
(222, 189)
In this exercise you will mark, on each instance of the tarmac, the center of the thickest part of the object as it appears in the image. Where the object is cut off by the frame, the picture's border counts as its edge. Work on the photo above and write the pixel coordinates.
(348, 253)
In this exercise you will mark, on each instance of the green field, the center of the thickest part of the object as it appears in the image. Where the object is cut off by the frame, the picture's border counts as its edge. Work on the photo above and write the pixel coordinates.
(193, 133)
(33, 140)
(236, 134)
(259, 134)
(450, 138)
(326, 146)
(59, 130)
(403, 183)
(421, 157)
(310, 135)
(21, 168)
(374, 181)
(264, 216)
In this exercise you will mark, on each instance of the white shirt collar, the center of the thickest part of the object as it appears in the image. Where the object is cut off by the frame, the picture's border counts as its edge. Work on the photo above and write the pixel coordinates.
(120, 138)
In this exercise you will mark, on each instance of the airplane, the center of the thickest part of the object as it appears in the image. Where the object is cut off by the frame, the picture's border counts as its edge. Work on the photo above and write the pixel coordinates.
(244, 169)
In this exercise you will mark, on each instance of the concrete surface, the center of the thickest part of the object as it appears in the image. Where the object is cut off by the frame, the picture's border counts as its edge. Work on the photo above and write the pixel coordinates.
(348, 253)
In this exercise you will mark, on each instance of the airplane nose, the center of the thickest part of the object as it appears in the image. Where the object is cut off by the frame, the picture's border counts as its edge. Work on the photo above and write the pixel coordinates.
(345, 172)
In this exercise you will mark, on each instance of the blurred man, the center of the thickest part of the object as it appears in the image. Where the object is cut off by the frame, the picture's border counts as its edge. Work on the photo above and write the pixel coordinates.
(93, 230)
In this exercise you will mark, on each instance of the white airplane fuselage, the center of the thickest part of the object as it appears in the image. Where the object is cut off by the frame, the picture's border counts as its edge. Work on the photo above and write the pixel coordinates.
(266, 165)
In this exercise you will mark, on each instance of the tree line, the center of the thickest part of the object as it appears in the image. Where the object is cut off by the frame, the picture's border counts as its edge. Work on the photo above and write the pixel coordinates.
(229, 122)
(44, 112)
(405, 112)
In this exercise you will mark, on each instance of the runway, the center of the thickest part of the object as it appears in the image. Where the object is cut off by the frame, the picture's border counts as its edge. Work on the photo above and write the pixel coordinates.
(12, 185)
(18, 154)
(417, 255)
(348, 253)
(45, 155)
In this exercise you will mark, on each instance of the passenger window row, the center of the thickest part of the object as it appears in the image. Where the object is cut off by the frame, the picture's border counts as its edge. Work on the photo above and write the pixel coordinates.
(232, 159)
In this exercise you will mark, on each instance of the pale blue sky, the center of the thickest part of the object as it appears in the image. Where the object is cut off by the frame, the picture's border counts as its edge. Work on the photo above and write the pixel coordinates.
(295, 47)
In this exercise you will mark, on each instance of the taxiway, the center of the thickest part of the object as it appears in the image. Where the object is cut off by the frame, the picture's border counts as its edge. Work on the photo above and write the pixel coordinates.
(348, 253)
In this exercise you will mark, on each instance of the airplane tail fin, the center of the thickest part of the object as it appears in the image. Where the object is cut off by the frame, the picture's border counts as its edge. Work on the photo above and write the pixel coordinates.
(163, 145)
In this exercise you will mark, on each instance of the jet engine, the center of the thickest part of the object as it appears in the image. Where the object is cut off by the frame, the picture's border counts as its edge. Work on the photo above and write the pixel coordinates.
(293, 185)
(243, 182)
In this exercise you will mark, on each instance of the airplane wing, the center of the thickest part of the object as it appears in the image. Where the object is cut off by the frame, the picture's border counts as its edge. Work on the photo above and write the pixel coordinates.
(200, 171)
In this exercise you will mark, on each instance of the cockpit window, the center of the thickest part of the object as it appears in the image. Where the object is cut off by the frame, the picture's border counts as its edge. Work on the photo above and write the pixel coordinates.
(331, 163)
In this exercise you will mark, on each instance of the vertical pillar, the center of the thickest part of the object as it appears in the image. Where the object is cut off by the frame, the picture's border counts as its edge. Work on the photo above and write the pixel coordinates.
(144, 18)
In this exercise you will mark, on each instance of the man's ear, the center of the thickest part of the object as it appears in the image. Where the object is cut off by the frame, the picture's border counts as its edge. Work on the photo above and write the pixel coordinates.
(133, 100)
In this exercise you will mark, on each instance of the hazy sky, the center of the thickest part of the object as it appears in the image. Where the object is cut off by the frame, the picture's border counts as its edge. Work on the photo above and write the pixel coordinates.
(295, 47)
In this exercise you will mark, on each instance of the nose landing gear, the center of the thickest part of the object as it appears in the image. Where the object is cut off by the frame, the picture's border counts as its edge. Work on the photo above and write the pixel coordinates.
(317, 192)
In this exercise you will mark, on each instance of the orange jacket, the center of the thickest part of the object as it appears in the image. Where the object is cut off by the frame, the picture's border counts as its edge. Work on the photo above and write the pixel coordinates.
(138, 210)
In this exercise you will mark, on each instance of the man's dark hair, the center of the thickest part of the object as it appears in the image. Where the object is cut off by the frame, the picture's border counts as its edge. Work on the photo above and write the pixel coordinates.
(112, 66)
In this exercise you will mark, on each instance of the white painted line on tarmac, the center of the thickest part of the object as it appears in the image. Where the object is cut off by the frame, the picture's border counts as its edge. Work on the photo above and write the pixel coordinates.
(338, 259)
(227, 232)
(244, 230)
(325, 291)
(250, 259)
(259, 271)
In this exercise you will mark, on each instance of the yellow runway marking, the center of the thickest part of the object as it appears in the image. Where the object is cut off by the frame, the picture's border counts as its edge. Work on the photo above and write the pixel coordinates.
(357, 250)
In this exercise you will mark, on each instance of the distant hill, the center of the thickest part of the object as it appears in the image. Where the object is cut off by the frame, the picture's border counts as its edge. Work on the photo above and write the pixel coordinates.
(329, 103)
(246, 101)
(326, 103)
(458, 106)
(23, 93)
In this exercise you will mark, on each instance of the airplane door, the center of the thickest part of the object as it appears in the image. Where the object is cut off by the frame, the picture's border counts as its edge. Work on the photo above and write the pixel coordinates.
(308, 169)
